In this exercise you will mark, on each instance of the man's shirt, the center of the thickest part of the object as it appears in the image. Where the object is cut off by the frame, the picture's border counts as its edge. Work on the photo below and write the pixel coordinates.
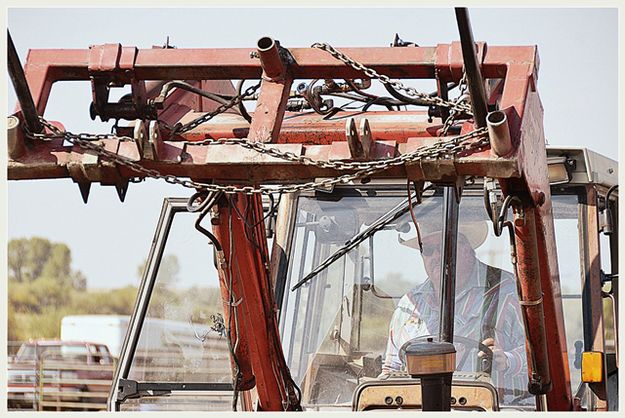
(486, 307)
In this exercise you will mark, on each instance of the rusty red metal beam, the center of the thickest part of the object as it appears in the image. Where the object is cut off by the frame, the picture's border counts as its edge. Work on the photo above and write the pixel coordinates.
(244, 268)
(531, 299)
(46, 66)
(274, 93)
(311, 128)
(231, 163)
(521, 103)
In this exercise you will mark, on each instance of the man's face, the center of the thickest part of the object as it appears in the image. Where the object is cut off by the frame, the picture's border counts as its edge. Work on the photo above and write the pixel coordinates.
(465, 258)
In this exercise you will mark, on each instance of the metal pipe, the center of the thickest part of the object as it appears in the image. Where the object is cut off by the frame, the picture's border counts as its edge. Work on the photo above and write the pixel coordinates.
(448, 265)
(499, 133)
(472, 68)
(270, 57)
(531, 300)
(15, 138)
(25, 99)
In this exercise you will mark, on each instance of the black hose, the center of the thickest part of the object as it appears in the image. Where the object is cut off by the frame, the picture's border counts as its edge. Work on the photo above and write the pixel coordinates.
(408, 100)
(186, 86)
(242, 109)
(380, 101)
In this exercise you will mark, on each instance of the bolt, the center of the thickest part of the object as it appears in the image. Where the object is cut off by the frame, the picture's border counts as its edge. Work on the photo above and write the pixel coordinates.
(388, 400)
(539, 198)
(453, 400)
(399, 400)
(462, 401)
(519, 218)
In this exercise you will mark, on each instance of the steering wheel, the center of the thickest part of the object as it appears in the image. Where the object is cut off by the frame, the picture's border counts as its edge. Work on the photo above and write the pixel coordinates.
(486, 364)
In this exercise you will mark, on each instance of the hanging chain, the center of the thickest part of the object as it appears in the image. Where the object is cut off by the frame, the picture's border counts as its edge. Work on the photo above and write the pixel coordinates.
(456, 110)
(384, 79)
(447, 149)
(444, 149)
(179, 128)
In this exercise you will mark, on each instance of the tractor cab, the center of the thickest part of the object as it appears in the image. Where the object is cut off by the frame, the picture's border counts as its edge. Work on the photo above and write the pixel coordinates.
(361, 299)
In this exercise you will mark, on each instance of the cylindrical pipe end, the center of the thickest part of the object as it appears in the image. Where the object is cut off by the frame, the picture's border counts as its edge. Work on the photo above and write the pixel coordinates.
(499, 133)
(270, 57)
(15, 138)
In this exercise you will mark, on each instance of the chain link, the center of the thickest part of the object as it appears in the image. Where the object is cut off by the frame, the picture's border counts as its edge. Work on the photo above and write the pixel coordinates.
(178, 128)
(455, 111)
(384, 79)
(445, 149)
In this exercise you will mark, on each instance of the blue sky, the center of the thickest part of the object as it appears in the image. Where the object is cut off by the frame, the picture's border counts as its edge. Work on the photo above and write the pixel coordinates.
(577, 83)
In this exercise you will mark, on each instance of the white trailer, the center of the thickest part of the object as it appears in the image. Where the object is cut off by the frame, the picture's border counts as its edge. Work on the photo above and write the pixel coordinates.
(103, 329)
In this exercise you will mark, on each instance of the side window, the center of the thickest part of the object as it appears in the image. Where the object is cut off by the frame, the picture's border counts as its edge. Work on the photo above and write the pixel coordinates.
(565, 213)
(105, 355)
(182, 337)
(608, 301)
(94, 354)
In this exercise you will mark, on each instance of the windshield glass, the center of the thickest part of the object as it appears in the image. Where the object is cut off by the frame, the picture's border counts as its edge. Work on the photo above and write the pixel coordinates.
(347, 324)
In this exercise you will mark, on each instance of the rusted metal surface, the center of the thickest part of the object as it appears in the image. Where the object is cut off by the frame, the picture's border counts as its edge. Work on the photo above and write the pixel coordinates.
(522, 172)
(531, 300)
(521, 104)
(274, 93)
(131, 65)
(311, 128)
(46, 66)
(533, 157)
(244, 272)
(234, 164)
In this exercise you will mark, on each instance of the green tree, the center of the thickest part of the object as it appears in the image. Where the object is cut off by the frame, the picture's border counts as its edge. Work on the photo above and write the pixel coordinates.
(168, 270)
(30, 259)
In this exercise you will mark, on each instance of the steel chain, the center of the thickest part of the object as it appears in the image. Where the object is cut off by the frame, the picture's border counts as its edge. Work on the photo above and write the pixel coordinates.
(384, 79)
(442, 149)
(178, 129)
(456, 110)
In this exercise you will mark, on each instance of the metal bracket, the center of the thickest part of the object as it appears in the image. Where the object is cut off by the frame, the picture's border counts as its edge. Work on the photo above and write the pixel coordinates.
(148, 139)
(360, 142)
(131, 389)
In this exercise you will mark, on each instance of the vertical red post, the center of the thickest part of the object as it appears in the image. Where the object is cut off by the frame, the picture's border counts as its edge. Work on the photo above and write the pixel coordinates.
(241, 231)
(531, 300)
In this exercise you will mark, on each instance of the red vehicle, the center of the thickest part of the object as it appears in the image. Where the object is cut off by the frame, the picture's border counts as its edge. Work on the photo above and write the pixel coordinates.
(64, 366)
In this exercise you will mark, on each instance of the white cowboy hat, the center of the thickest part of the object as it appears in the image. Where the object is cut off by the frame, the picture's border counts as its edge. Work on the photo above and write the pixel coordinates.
(474, 232)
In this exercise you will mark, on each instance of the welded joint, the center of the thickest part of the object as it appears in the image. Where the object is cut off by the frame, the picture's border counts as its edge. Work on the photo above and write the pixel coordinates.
(274, 59)
(499, 133)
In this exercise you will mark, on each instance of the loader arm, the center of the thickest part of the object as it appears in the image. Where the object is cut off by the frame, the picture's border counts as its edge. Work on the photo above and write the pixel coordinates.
(311, 140)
